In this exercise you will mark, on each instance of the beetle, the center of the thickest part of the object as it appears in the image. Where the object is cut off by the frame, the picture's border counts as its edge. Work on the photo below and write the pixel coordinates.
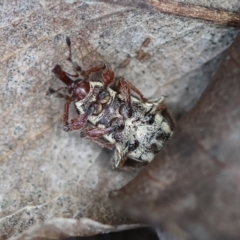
(133, 126)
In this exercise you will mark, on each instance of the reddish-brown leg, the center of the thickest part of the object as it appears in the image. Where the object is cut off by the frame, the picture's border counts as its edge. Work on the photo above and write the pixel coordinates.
(66, 110)
(76, 123)
(95, 132)
(108, 76)
(125, 88)
(59, 73)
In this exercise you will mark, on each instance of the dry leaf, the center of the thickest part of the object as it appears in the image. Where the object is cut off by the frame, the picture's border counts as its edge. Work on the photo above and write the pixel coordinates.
(192, 187)
(59, 228)
(46, 173)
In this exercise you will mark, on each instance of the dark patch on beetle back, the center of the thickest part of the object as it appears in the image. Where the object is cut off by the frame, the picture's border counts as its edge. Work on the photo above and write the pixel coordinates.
(161, 135)
(154, 148)
(133, 145)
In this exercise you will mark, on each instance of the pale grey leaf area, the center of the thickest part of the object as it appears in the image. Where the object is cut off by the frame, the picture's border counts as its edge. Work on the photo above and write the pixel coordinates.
(57, 227)
(46, 173)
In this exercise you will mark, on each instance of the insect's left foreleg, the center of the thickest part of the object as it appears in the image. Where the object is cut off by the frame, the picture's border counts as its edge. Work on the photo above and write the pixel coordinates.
(76, 123)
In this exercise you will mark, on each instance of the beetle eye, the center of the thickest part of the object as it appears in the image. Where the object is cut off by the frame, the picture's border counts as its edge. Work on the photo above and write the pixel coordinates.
(103, 96)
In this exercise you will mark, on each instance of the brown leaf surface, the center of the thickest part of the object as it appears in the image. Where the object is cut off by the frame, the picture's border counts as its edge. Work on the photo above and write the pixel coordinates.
(192, 187)
(46, 173)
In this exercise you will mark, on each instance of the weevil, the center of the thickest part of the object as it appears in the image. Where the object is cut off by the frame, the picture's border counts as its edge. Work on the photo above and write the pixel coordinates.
(134, 127)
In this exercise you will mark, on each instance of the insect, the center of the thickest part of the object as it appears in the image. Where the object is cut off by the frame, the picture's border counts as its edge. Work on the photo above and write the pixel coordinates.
(134, 127)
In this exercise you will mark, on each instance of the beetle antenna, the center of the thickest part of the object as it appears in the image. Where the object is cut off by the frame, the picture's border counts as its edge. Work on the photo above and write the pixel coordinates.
(68, 41)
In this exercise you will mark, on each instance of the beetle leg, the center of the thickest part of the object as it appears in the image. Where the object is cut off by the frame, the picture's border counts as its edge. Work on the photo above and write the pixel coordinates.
(62, 75)
(101, 143)
(125, 88)
(95, 132)
(118, 159)
(76, 123)
(66, 109)
(108, 76)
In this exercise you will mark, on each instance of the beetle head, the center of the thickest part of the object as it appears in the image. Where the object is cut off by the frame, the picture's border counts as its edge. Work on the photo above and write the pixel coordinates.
(78, 89)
